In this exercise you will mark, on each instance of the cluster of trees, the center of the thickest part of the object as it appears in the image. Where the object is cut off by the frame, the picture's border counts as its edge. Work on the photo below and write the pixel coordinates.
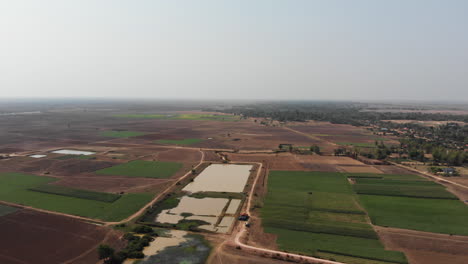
(416, 148)
(134, 248)
(334, 112)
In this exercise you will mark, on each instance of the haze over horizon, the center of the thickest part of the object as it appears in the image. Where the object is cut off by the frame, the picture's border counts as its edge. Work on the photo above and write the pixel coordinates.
(216, 49)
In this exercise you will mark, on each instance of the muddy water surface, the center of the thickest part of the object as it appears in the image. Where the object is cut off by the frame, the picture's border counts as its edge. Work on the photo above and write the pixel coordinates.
(221, 178)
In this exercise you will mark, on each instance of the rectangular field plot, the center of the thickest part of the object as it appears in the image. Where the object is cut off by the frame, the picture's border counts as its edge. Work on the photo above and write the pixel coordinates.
(437, 192)
(83, 194)
(143, 168)
(15, 188)
(73, 152)
(430, 215)
(315, 212)
(122, 134)
(220, 178)
(310, 243)
(186, 141)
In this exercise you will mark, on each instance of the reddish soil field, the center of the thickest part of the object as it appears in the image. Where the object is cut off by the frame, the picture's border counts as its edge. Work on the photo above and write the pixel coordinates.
(288, 161)
(38, 238)
(339, 133)
(426, 248)
(79, 173)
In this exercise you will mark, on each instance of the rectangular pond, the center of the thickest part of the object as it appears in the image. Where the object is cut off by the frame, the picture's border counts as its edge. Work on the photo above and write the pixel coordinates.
(73, 152)
(220, 178)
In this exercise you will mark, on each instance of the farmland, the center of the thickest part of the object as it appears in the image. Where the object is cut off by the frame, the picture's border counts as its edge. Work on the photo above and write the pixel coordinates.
(122, 134)
(182, 116)
(186, 141)
(332, 207)
(15, 188)
(333, 223)
(143, 168)
(27, 234)
(77, 193)
(430, 215)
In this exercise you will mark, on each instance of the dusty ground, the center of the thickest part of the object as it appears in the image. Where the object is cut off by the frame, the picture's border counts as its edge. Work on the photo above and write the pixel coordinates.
(340, 133)
(32, 237)
(426, 248)
(27, 231)
(288, 161)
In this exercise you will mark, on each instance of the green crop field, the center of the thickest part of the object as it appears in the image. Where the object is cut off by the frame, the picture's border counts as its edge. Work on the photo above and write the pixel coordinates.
(362, 145)
(143, 168)
(186, 141)
(313, 212)
(395, 182)
(122, 134)
(4, 210)
(83, 194)
(311, 243)
(437, 191)
(14, 187)
(410, 177)
(430, 215)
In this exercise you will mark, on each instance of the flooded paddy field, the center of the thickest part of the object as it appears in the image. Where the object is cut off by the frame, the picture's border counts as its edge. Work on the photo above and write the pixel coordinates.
(221, 178)
(209, 203)
(212, 214)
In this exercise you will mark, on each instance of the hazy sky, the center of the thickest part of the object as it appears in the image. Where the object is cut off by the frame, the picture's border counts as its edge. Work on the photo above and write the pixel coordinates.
(258, 49)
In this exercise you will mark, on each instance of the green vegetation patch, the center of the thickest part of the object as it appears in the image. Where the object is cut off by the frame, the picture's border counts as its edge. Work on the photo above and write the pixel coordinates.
(317, 211)
(437, 192)
(193, 251)
(15, 188)
(410, 177)
(78, 193)
(122, 134)
(143, 168)
(4, 210)
(361, 145)
(396, 182)
(430, 215)
(312, 243)
(187, 141)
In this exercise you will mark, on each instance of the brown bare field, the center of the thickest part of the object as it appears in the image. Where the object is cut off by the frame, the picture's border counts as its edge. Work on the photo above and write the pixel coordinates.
(228, 254)
(360, 169)
(288, 161)
(79, 173)
(426, 248)
(339, 133)
(31, 237)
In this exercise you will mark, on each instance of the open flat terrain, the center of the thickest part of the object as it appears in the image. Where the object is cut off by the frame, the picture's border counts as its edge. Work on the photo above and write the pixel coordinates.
(345, 220)
(33, 237)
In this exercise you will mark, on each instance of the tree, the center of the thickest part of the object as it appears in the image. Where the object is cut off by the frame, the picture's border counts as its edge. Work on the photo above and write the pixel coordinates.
(315, 149)
(105, 251)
